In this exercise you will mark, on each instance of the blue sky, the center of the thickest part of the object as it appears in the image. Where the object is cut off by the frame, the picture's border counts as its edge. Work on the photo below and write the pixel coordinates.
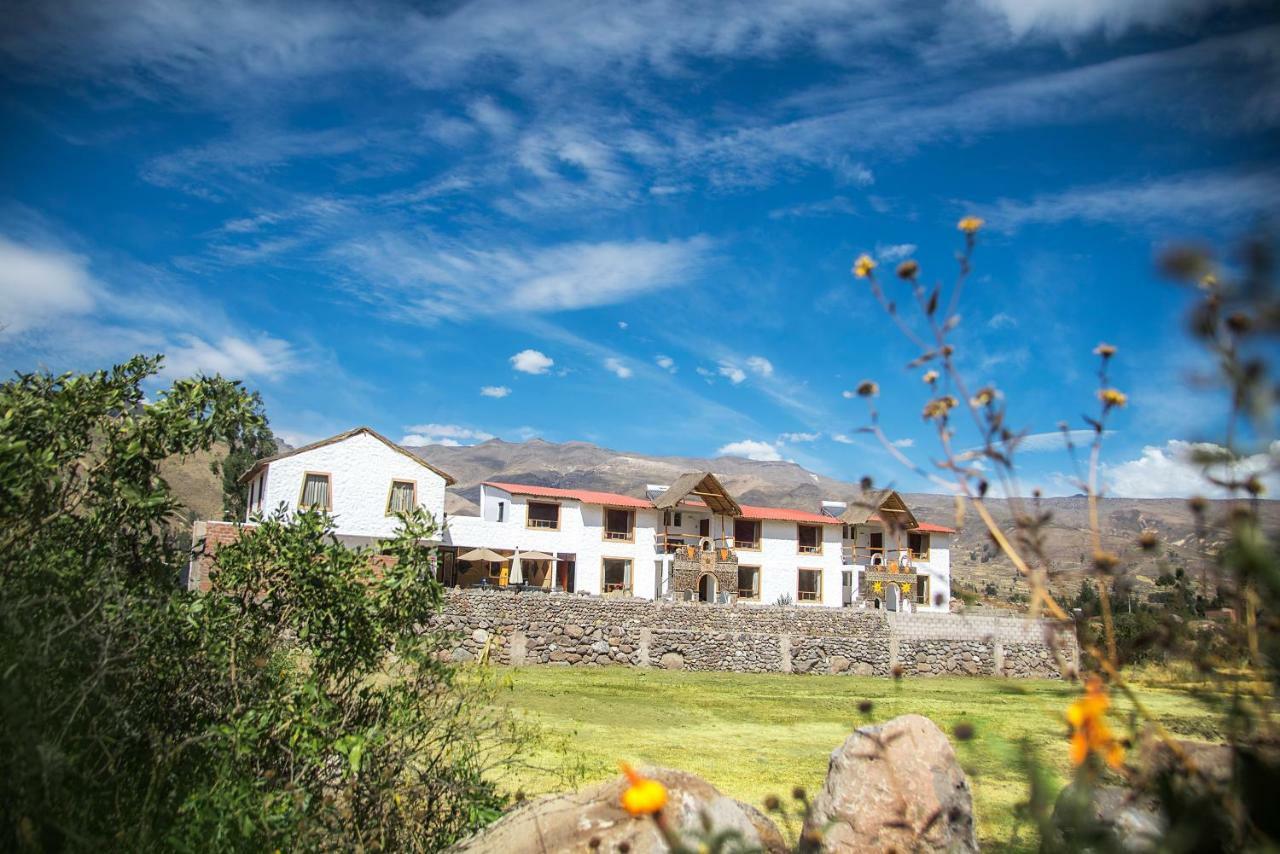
(633, 224)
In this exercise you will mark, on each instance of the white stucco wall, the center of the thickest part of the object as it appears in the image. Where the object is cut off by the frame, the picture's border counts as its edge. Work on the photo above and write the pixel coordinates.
(581, 534)
(782, 562)
(361, 469)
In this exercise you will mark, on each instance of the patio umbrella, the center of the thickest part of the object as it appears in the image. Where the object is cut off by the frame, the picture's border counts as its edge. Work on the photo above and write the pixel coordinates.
(517, 571)
(536, 556)
(482, 554)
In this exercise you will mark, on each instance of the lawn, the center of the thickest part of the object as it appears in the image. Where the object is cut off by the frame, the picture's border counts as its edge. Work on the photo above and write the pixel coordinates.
(755, 735)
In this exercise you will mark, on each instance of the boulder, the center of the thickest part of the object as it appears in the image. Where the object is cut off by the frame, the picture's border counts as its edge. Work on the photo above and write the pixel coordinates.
(479, 636)
(895, 786)
(839, 664)
(593, 820)
(673, 661)
(574, 631)
(1104, 818)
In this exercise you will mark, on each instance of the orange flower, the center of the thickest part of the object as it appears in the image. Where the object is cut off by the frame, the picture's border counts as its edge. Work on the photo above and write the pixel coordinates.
(970, 224)
(863, 266)
(644, 796)
(1089, 730)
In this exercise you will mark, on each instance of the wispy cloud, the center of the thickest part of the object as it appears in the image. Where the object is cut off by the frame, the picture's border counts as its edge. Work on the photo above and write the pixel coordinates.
(1218, 197)
(437, 279)
(451, 435)
(618, 368)
(41, 286)
(667, 363)
(495, 391)
(825, 207)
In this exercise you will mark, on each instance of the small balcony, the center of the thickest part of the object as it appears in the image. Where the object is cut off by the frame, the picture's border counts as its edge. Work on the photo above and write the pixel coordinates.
(893, 560)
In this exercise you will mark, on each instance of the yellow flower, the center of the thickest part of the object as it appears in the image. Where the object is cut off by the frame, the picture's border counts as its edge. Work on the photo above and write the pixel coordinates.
(863, 266)
(1208, 282)
(1106, 351)
(644, 796)
(930, 377)
(939, 407)
(984, 396)
(1089, 731)
(1112, 397)
(970, 224)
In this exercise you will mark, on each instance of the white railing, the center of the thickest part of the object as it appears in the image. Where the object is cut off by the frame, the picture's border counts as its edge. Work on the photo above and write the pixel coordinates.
(544, 523)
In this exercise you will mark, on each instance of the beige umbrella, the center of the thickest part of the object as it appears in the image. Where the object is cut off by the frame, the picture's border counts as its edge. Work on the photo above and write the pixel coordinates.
(482, 554)
(536, 556)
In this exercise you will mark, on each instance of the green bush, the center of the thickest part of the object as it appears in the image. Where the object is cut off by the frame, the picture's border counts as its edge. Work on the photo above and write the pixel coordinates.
(298, 704)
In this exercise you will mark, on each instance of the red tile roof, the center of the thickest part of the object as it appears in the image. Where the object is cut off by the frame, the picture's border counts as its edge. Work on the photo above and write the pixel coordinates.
(930, 528)
(773, 514)
(587, 496)
(783, 514)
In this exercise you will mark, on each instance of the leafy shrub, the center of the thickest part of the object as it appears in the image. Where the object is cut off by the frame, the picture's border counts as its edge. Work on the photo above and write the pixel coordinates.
(298, 704)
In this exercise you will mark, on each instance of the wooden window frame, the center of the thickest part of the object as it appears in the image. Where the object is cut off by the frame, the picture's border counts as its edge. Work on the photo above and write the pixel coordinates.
(627, 591)
(708, 524)
(528, 519)
(502, 511)
(922, 591)
(759, 540)
(392, 488)
(928, 544)
(489, 568)
(604, 525)
(814, 550)
(328, 493)
(759, 583)
(800, 596)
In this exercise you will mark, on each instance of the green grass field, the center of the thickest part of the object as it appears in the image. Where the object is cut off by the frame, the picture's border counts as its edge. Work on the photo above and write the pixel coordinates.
(755, 735)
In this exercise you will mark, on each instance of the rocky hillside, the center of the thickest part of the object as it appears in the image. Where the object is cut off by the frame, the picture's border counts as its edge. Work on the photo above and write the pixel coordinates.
(975, 561)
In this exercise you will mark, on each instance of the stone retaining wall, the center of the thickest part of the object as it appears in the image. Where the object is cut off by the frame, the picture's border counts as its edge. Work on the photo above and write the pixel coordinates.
(566, 629)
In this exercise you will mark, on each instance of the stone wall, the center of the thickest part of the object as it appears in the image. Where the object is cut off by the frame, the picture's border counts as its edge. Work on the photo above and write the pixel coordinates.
(566, 629)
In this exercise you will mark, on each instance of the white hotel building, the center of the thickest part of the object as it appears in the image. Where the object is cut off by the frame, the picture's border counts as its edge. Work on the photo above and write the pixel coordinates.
(686, 540)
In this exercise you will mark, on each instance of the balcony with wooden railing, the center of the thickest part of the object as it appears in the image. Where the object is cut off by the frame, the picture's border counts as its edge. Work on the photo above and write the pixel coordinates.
(890, 558)
(668, 542)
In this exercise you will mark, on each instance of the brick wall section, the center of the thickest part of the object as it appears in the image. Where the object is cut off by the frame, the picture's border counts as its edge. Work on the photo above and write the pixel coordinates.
(206, 539)
(568, 630)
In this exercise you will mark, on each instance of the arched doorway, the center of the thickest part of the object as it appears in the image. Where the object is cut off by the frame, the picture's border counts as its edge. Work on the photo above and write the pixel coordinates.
(707, 588)
(891, 597)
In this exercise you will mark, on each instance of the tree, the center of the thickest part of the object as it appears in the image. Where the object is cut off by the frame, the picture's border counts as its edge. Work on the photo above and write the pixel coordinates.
(257, 444)
(301, 703)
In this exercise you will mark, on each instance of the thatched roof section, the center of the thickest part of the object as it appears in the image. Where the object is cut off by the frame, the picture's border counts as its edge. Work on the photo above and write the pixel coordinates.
(883, 503)
(699, 486)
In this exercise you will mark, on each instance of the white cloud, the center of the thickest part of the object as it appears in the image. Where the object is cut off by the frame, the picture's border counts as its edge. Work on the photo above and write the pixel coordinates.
(1056, 19)
(617, 368)
(450, 435)
(439, 278)
(39, 287)
(752, 450)
(707, 375)
(498, 391)
(891, 252)
(799, 437)
(826, 207)
(666, 363)
(532, 362)
(842, 439)
(760, 365)
(1053, 440)
(1168, 472)
(732, 371)
(233, 357)
(848, 394)
(904, 443)
(1000, 320)
(622, 324)
(1218, 197)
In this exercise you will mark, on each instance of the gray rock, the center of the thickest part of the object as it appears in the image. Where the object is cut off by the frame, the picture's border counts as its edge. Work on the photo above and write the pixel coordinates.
(480, 636)
(461, 655)
(839, 664)
(1104, 818)
(574, 631)
(600, 646)
(673, 661)
(570, 822)
(896, 786)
